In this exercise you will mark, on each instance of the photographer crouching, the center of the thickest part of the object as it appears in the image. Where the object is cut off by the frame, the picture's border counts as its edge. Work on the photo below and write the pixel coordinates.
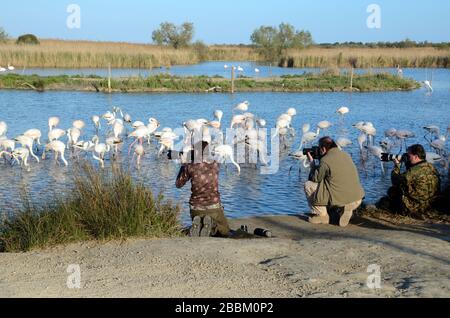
(414, 191)
(207, 212)
(333, 183)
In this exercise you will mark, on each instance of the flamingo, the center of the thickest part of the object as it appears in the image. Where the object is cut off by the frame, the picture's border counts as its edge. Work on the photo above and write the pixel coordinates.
(56, 134)
(167, 141)
(139, 133)
(58, 147)
(218, 114)
(402, 135)
(343, 142)
(3, 128)
(6, 146)
(53, 122)
(35, 134)
(377, 152)
(342, 111)
(73, 135)
(308, 136)
(20, 155)
(225, 152)
(137, 124)
(324, 125)
(27, 142)
(100, 149)
(139, 152)
(292, 112)
(303, 159)
(96, 120)
(153, 125)
(243, 107)
(79, 124)
(428, 86)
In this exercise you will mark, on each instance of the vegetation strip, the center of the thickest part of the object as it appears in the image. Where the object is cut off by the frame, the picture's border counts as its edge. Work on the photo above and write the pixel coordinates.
(324, 82)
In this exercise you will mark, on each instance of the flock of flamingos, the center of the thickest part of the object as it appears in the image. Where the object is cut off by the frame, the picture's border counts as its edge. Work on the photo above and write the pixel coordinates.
(109, 142)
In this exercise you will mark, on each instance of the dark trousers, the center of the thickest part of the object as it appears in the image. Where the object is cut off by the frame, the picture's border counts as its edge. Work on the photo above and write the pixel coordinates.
(219, 219)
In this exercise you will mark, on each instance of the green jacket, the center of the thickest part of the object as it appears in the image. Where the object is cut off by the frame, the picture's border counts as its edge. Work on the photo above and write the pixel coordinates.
(338, 180)
(419, 185)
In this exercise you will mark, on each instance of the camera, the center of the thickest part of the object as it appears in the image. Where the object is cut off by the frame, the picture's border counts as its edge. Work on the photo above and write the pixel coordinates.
(314, 152)
(387, 157)
(178, 155)
(174, 155)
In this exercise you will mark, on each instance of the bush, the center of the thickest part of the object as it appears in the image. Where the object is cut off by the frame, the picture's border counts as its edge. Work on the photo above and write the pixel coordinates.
(102, 206)
(3, 36)
(27, 39)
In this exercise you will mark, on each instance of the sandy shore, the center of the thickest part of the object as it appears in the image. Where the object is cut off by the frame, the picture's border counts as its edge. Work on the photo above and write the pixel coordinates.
(301, 261)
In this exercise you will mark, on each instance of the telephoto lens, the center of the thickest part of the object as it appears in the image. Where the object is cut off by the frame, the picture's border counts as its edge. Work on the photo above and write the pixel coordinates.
(263, 233)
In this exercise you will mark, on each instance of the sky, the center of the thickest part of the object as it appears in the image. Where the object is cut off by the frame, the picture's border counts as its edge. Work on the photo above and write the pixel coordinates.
(229, 21)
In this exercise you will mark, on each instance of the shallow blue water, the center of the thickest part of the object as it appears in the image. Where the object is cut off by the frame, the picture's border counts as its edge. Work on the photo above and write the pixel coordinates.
(251, 193)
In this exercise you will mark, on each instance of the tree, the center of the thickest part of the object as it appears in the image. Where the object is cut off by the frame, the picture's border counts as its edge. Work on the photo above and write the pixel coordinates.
(175, 36)
(3, 35)
(266, 39)
(273, 42)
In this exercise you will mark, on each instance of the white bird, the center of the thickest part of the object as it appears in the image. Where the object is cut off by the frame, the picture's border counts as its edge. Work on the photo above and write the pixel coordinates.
(238, 120)
(73, 135)
(343, 142)
(53, 122)
(79, 124)
(58, 148)
(11, 68)
(35, 134)
(139, 152)
(243, 107)
(390, 133)
(377, 152)
(324, 125)
(257, 70)
(55, 134)
(100, 150)
(127, 119)
(152, 127)
(240, 69)
(2, 69)
(292, 112)
(225, 152)
(433, 157)
(225, 66)
(402, 135)
(27, 142)
(137, 124)
(343, 111)
(96, 120)
(167, 141)
(139, 133)
(428, 86)
(3, 128)
(20, 155)
(261, 122)
(217, 124)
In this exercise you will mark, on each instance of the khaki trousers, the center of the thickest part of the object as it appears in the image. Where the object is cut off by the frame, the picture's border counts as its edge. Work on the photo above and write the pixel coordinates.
(310, 190)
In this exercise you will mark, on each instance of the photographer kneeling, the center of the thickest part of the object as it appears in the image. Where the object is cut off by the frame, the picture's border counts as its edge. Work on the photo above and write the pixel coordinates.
(207, 212)
(334, 183)
(414, 191)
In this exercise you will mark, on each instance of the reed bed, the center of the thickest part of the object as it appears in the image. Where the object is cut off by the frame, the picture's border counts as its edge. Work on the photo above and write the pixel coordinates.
(368, 57)
(101, 206)
(88, 54)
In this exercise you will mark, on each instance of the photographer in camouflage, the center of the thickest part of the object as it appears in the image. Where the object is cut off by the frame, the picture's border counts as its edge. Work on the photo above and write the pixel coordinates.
(415, 191)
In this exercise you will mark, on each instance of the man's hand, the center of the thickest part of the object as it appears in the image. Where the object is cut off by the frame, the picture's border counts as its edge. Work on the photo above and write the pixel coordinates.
(311, 160)
(397, 163)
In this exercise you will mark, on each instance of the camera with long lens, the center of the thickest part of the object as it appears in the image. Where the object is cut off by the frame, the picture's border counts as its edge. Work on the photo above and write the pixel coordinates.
(178, 155)
(387, 157)
(314, 152)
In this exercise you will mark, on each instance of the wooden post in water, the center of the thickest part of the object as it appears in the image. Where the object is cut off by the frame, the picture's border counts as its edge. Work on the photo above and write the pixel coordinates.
(109, 78)
(351, 81)
(232, 79)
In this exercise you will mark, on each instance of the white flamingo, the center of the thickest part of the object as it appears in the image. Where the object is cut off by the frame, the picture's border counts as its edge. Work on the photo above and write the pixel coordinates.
(96, 120)
(243, 107)
(225, 152)
(35, 134)
(100, 150)
(58, 148)
(27, 142)
(20, 155)
(56, 134)
(53, 122)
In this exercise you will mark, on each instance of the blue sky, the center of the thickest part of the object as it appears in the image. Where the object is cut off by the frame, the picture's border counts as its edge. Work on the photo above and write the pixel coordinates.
(230, 21)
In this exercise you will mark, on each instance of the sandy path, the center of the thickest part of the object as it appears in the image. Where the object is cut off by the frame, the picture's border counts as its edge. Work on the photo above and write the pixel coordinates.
(302, 261)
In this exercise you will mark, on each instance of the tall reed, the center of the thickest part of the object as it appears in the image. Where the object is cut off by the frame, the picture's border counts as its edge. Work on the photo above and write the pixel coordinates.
(101, 206)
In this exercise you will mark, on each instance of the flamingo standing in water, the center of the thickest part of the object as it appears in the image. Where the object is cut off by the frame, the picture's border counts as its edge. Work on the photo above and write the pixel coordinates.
(58, 148)
(28, 143)
(53, 122)
(100, 150)
(20, 155)
(225, 152)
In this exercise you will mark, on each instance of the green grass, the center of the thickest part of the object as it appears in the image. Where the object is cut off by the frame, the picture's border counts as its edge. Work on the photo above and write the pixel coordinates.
(102, 206)
(326, 81)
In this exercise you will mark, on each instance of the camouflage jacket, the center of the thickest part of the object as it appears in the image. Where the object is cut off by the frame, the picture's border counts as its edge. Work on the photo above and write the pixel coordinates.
(419, 186)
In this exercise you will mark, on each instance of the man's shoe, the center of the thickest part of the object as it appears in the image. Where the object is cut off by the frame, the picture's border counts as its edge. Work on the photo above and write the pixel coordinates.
(345, 218)
(196, 227)
(319, 219)
(208, 227)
